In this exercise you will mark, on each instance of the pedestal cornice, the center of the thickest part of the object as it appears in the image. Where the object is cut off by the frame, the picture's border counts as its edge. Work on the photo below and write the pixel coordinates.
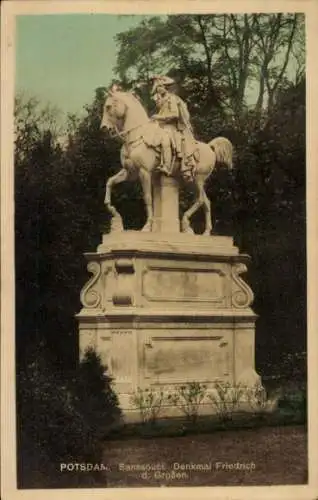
(162, 245)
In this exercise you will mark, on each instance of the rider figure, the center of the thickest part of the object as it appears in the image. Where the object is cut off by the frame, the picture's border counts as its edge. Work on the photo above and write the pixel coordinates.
(174, 117)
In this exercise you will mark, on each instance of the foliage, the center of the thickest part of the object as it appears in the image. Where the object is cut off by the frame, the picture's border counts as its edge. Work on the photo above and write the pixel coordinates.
(259, 401)
(32, 123)
(47, 419)
(188, 398)
(217, 57)
(286, 407)
(149, 403)
(93, 395)
(60, 421)
(226, 398)
(292, 367)
(42, 212)
(294, 399)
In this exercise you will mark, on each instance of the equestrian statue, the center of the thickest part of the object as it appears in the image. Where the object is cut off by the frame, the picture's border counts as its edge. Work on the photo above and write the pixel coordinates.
(163, 143)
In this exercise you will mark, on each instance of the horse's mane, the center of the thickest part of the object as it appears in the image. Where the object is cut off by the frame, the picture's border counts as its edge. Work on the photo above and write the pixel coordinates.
(127, 97)
(130, 100)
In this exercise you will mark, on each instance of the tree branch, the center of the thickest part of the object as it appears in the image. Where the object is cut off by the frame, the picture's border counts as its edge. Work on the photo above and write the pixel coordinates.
(287, 54)
(207, 51)
(227, 55)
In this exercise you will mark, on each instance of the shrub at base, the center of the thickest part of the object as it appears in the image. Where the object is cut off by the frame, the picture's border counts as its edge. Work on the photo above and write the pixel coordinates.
(188, 398)
(93, 396)
(58, 420)
(149, 403)
(226, 399)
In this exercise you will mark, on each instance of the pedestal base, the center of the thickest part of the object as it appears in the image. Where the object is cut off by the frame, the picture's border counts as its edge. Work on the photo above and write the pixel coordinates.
(165, 312)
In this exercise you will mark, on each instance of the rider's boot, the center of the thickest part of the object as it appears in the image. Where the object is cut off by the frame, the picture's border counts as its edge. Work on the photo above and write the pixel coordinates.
(166, 161)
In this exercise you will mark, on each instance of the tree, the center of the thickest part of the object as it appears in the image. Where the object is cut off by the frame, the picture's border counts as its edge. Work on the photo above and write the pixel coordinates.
(38, 162)
(276, 35)
(60, 214)
(270, 222)
(32, 122)
(219, 57)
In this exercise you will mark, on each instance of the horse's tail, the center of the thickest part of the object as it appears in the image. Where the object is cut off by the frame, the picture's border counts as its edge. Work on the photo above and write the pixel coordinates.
(223, 149)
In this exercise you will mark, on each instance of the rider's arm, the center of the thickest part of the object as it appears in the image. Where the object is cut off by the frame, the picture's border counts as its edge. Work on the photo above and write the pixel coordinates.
(167, 117)
(169, 113)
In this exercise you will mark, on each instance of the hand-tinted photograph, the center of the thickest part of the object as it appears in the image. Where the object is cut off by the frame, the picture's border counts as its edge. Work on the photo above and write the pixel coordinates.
(160, 250)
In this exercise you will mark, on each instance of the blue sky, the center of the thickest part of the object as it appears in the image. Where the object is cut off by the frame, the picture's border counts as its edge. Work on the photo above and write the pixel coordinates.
(61, 59)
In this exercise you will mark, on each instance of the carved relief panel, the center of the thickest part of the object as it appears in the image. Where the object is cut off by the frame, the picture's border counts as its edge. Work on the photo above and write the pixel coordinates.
(183, 356)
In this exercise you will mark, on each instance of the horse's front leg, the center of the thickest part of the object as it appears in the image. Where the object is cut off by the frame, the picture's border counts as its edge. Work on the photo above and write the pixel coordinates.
(145, 179)
(116, 223)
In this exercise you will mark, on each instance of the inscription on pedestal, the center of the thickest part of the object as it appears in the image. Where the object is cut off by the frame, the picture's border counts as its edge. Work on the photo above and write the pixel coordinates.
(182, 284)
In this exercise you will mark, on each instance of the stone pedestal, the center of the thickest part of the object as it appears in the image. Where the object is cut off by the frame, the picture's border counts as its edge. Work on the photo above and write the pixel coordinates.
(164, 309)
(166, 205)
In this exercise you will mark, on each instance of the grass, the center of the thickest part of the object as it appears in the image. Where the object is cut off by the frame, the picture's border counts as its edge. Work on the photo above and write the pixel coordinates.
(206, 424)
(279, 456)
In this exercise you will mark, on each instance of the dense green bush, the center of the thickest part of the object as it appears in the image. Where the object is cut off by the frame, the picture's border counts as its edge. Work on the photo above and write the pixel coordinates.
(93, 396)
(294, 400)
(61, 419)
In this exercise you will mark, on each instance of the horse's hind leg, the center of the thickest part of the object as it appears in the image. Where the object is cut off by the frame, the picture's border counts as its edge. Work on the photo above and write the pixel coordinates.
(186, 228)
(207, 212)
(116, 223)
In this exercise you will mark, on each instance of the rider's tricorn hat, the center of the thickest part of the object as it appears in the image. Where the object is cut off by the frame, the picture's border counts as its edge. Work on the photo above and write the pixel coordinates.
(163, 81)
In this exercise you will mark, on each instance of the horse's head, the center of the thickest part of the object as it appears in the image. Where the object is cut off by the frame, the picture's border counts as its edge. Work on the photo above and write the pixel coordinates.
(122, 110)
(113, 113)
